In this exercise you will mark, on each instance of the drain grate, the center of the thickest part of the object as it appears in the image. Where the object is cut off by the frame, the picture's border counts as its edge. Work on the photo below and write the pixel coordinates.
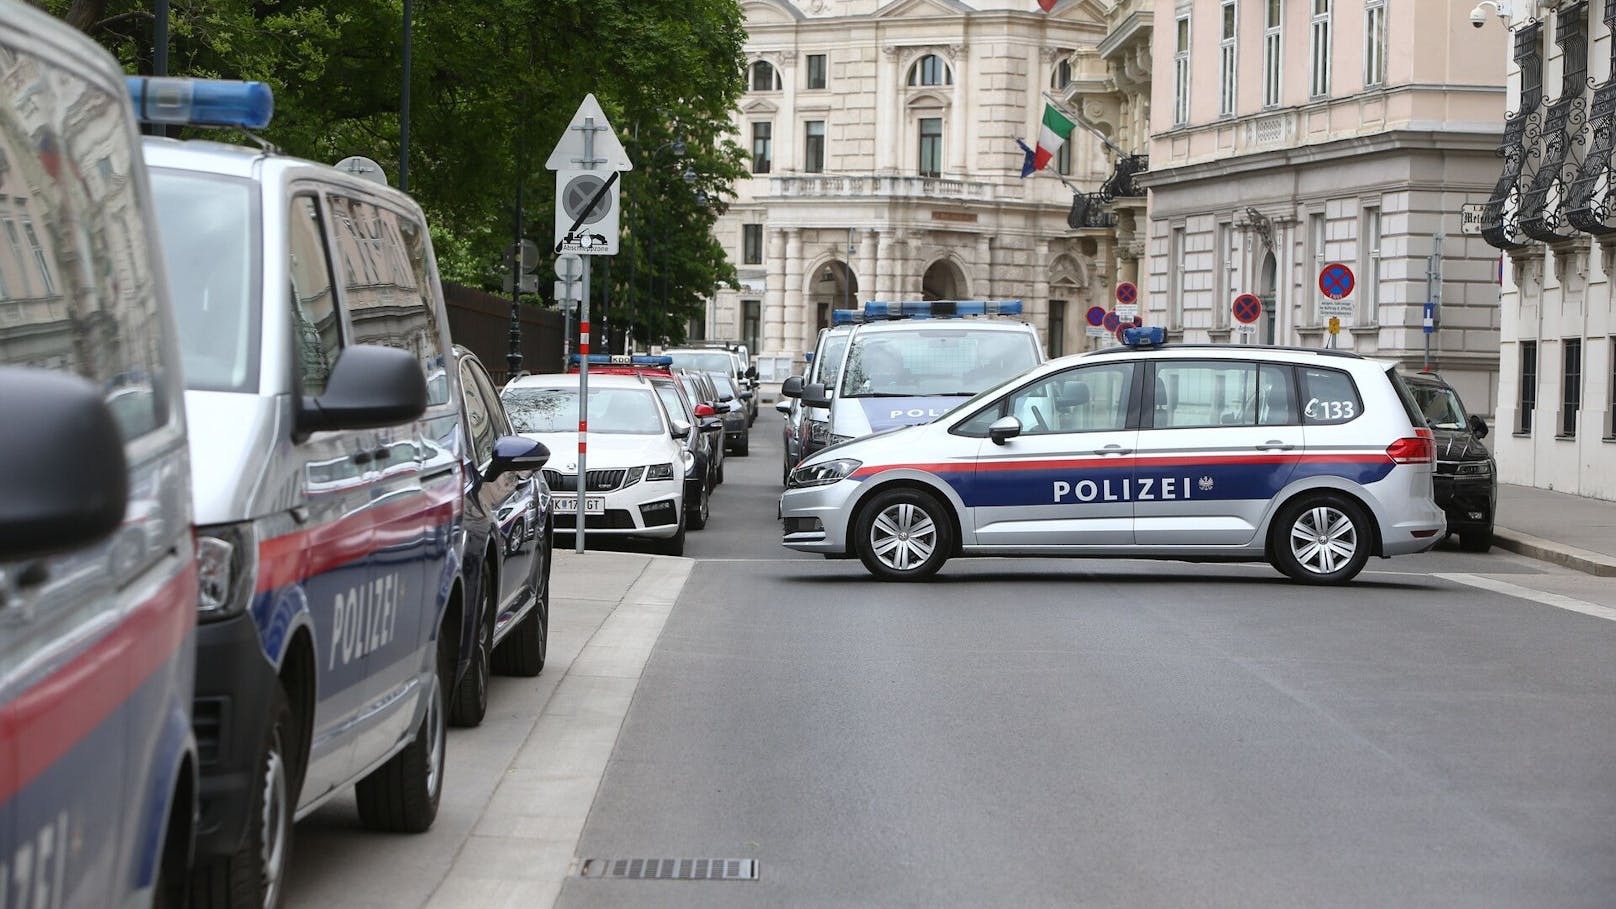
(671, 869)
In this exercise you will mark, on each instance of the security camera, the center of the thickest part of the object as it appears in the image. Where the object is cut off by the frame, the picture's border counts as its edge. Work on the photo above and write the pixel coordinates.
(1478, 17)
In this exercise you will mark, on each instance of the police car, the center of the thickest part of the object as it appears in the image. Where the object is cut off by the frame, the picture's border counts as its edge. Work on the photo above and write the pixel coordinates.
(328, 486)
(637, 460)
(98, 576)
(808, 428)
(1311, 460)
(911, 362)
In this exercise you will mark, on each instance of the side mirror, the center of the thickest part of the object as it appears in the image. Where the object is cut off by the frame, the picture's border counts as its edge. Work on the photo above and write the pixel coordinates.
(1478, 426)
(370, 387)
(704, 410)
(792, 387)
(746, 396)
(1004, 429)
(63, 480)
(712, 425)
(514, 453)
(680, 429)
(725, 398)
(783, 405)
(816, 395)
(751, 372)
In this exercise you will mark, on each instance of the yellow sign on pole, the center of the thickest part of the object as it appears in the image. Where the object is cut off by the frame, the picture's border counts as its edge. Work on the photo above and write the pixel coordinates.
(1335, 325)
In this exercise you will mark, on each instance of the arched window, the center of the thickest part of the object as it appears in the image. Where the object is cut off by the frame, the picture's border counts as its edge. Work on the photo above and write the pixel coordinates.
(1062, 76)
(764, 78)
(930, 70)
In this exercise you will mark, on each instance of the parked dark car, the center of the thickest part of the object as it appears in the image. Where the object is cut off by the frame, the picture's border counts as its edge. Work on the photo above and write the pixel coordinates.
(699, 386)
(700, 443)
(1466, 474)
(737, 422)
(508, 546)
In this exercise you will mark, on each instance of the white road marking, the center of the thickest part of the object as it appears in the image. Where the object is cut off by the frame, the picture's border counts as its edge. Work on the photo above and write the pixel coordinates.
(1556, 600)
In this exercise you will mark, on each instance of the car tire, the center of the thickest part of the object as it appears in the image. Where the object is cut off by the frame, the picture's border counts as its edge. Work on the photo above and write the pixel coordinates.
(401, 796)
(674, 545)
(523, 651)
(255, 874)
(702, 511)
(720, 471)
(1478, 540)
(903, 535)
(1342, 526)
(470, 702)
(743, 448)
(785, 472)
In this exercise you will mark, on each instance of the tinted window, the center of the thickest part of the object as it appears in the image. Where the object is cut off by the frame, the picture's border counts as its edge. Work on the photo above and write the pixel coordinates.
(479, 416)
(1439, 404)
(315, 327)
(1330, 397)
(211, 237)
(383, 263)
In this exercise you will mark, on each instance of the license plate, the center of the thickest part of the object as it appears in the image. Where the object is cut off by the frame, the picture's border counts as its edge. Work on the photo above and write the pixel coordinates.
(569, 504)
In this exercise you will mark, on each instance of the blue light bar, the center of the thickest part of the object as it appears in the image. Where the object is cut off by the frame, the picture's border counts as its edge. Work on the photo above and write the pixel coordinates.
(877, 310)
(808, 357)
(1143, 336)
(201, 102)
(623, 360)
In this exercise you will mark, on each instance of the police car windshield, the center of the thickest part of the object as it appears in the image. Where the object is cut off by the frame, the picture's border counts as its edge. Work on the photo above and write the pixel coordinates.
(931, 362)
(209, 228)
(615, 411)
(715, 361)
(1440, 406)
(828, 363)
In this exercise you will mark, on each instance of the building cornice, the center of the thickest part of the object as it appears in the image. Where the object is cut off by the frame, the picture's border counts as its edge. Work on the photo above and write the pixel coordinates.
(1398, 140)
(1131, 26)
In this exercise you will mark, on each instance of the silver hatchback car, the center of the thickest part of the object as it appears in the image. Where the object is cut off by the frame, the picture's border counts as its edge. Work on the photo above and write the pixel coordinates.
(1311, 460)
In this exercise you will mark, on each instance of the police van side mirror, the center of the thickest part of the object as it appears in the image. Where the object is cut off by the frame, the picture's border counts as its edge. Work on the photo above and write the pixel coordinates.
(370, 387)
(783, 405)
(1478, 427)
(1004, 429)
(63, 480)
(792, 387)
(816, 395)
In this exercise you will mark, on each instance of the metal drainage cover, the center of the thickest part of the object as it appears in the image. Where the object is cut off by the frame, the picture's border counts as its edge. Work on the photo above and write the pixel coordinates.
(671, 869)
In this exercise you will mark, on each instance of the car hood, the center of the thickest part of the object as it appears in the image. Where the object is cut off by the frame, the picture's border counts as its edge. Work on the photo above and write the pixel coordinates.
(1457, 445)
(606, 450)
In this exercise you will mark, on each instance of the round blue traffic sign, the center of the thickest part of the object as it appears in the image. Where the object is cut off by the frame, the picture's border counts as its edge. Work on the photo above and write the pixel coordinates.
(1247, 309)
(1112, 320)
(1096, 315)
(1336, 280)
(1127, 292)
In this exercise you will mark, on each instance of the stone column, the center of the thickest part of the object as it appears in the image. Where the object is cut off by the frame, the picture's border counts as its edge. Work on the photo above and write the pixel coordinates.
(960, 119)
(794, 281)
(982, 284)
(887, 140)
(773, 294)
(786, 149)
(866, 270)
(880, 274)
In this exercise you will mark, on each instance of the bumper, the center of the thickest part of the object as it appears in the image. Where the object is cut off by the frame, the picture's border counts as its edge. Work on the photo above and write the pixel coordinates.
(234, 685)
(646, 509)
(1468, 502)
(816, 518)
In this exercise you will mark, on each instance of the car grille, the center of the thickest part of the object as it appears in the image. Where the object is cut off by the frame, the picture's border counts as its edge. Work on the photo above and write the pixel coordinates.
(595, 480)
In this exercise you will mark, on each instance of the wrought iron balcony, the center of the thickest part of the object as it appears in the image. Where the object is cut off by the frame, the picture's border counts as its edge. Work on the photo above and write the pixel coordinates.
(1121, 184)
(1088, 212)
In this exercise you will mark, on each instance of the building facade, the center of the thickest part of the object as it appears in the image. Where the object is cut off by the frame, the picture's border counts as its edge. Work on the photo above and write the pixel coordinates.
(884, 161)
(1551, 216)
(1288, 135)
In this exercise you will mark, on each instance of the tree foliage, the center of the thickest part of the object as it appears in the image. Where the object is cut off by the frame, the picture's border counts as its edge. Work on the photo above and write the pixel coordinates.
(493, 85)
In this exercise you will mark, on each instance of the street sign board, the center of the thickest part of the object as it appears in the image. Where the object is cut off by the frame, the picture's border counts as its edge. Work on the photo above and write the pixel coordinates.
(1127, 292)
(606, 153)
(1096, 315)
(1335, 325)
(569, 291)
(1429, 321)
(1470, 215)
(1335, 307)
(569, 267)
(1247, 309)
(361, 166)
(1112, 321)
(1245, 328)
(1336, 280)
(525, 255)
(1127, 312)
(586, 212)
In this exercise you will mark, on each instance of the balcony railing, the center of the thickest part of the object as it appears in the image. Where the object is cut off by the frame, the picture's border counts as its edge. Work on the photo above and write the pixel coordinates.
(1088, 212)
(826, 186)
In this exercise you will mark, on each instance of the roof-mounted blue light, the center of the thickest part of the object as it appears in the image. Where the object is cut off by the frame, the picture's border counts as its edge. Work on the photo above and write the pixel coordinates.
(661, 362)
(808, 357)
(201, 102)
(877, 310)
(1143, 336)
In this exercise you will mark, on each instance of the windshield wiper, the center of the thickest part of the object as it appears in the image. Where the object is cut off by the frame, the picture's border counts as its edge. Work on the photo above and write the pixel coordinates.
(887, 394)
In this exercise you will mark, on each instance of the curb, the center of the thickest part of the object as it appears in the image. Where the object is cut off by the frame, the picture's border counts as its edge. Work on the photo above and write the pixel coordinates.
(1594, 563)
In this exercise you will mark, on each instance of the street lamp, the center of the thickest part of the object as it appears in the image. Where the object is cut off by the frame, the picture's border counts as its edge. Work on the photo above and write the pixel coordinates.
(847, 271)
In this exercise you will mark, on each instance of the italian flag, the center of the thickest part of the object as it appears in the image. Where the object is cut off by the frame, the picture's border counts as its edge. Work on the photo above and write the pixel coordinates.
(1050, 138)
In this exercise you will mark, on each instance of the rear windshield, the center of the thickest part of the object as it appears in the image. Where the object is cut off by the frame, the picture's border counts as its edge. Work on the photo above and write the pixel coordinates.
(209, 228)
(932, 362)
(625, 411)
(716, 361)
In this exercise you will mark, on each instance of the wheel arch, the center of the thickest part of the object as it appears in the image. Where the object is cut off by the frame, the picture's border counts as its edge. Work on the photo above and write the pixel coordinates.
(908, 480)
(299, 679)
(1284, 500)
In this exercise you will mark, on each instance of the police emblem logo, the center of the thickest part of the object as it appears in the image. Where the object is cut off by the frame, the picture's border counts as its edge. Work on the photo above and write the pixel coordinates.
(1205, 484)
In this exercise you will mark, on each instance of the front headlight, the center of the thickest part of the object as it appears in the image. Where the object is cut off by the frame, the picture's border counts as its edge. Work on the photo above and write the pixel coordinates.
(823, 473)
(659, 472)
(227, 570)
(819, 432)
(1474, 469)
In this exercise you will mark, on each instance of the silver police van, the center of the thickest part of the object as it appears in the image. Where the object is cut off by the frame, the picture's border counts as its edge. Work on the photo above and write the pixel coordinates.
(1311, 460)
(327, 481)
(98, 576)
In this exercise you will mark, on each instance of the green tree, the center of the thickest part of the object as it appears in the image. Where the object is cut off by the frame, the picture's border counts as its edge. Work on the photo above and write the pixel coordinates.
(494, 84)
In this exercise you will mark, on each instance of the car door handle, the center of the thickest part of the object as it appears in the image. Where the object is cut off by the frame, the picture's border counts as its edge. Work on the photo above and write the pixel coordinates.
(1113, 450)
(383, 453)
(1275, 445)
(363, 457)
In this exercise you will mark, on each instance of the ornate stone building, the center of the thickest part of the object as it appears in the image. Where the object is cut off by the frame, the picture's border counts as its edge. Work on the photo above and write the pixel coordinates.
(1292, 134)
(884, 164)
(1553, 217)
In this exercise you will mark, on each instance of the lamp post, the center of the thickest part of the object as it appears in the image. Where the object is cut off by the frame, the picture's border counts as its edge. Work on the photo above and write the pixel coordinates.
(677, 146)
(404, 105)
(847, 271)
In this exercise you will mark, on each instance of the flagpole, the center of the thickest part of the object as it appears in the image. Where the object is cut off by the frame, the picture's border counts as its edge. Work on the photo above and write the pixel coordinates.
(1077, 118)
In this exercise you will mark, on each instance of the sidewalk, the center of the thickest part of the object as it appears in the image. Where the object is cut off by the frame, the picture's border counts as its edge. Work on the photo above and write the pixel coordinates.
(1574, 531)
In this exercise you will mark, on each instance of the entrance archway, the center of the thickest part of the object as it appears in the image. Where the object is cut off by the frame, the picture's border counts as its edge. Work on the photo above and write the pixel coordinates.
(834, 286)
(942, 281)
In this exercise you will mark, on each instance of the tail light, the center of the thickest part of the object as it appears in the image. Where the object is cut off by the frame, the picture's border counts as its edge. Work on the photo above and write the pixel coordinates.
(1418, 449)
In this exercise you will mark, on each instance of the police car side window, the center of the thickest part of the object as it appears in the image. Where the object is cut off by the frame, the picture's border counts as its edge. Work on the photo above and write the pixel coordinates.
(1329, 397)
(382, 261)
(316, 329)
(1082, 399)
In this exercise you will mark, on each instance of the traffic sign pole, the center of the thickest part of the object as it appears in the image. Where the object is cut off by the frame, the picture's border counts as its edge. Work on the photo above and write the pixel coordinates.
(581, 512)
